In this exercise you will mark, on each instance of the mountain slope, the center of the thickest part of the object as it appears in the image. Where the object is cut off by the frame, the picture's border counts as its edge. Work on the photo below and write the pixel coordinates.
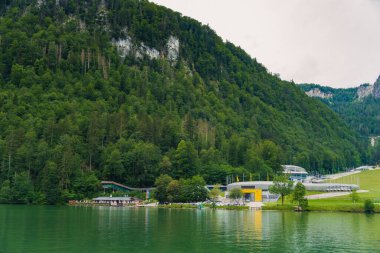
(126, 90)
(359, 107)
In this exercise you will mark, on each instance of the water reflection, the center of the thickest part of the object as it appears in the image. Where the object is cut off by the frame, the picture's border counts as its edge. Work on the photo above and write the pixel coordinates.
(104, 229)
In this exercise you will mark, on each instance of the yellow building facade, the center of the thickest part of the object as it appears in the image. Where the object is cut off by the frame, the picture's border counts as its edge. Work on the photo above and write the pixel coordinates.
(252, 194)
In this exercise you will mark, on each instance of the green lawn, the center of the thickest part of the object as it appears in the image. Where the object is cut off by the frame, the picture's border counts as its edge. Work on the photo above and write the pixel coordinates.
(367, 180)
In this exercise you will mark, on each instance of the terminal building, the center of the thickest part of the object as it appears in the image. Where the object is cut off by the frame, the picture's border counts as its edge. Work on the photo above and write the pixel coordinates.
(254, 191)
(258, 191)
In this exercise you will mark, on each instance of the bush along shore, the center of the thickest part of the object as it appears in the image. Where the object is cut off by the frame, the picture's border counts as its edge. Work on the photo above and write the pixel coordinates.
(201, 206)
(354, 208)
(333, 205)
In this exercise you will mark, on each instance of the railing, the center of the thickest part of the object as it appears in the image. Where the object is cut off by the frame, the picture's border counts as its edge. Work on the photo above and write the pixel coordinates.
(112, 184)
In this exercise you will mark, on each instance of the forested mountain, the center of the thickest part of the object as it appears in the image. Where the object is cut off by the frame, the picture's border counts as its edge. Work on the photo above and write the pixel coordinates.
(126, 90)
(359, 107)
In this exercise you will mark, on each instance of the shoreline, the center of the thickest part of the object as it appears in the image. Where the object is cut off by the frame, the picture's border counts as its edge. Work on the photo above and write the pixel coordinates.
(311, 209)
(328, 209)
(354, 208)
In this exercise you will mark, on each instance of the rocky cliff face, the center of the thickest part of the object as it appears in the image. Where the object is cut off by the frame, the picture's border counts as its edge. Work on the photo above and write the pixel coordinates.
(376, 88)
(173, 48)
(364, 91)
(126, 47)
(367, 90)
(318, 93)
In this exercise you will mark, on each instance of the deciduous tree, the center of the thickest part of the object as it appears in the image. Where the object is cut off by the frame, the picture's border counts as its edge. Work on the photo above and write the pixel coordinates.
(281, 185)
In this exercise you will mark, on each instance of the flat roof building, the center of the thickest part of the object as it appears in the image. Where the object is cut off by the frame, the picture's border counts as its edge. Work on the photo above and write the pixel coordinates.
(115, 201)
(295, 173)
(263, 186)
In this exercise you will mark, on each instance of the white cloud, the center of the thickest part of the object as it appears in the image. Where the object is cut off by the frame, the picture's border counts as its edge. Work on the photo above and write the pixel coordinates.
(330, 42)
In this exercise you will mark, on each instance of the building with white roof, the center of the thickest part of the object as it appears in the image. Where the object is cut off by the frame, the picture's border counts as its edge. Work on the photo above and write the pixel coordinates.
(295, 173)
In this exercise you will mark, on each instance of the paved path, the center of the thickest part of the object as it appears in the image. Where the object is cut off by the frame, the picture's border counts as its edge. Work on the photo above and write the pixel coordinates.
(331, 195)
(343, 174)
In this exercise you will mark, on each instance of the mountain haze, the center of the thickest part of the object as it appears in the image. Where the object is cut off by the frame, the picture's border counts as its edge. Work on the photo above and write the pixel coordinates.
(127, 90)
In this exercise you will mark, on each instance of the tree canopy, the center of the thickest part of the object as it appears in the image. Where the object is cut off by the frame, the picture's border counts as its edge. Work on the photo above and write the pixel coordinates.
(281, 185)
(75, 108)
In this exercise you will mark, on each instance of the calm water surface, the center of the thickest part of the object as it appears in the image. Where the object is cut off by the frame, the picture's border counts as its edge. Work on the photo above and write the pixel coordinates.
(103, 229)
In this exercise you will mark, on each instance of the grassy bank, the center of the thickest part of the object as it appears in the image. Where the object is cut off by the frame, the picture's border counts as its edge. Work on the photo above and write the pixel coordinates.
(233, 207)
(325, 206)
(367, 180)
(180, 205)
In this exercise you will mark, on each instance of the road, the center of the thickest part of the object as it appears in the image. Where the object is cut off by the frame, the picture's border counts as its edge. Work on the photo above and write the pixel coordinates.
(331, 195)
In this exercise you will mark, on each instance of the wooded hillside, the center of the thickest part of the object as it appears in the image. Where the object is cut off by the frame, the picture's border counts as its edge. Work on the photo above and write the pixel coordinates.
(93, 90)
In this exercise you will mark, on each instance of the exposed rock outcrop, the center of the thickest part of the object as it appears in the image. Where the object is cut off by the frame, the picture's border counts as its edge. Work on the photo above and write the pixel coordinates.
(40, 3)
(367, 90)
(376, 88)
(173, 48)
(364, 91)
(318, 93)
(151, 52)
(125, 47)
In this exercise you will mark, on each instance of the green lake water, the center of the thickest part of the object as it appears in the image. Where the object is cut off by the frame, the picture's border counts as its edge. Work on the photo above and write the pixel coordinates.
(106, 229)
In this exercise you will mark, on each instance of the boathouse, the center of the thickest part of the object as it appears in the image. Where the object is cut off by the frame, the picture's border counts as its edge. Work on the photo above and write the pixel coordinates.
(115, 201)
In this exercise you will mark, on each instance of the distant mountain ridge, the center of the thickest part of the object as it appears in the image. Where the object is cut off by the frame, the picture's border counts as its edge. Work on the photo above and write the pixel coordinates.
(362, 91)
(359, 106)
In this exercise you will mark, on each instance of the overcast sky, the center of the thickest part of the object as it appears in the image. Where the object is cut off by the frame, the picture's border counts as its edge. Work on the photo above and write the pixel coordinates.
(330, 42)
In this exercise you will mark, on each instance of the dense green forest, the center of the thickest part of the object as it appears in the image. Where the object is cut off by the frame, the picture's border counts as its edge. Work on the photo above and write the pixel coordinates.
(361, 113)
(359, 107)
(74, 109)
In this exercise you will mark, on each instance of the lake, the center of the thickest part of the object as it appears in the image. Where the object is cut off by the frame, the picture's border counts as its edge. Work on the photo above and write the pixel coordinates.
(106, 229)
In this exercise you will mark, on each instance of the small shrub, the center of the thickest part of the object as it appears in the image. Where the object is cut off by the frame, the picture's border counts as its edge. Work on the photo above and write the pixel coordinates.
(369, 206)
(304, 203)
(354, 196)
